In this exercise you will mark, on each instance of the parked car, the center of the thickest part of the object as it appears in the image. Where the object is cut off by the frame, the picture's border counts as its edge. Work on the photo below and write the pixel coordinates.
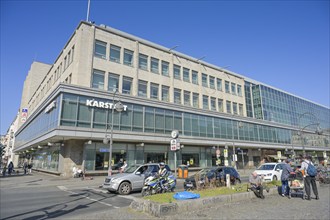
(270, 171)
(132, 179)
(212, 172)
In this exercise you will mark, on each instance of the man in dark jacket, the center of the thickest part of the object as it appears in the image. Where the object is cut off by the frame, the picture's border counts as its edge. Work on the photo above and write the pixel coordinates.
(285, 177)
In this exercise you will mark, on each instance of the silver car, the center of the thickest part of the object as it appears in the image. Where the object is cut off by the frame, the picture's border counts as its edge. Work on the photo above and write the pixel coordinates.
(132, 179)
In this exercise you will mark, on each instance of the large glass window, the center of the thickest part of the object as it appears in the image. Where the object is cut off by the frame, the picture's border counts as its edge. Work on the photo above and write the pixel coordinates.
(228, 106)
(177, 72)
(239, 90)
(196, 100)
(177, 96)
(143, 61)
(69, 110)
(165, 68)
(227, 88)
(115, 53)
(233, 88)
(149, 120)
(127, 85)
(128, 57)
(100, 49)
(213, 104)
(186, 98)
(98, 79)
(154, 65)
(220, 105)
(113, 82)
(194, 77)
(212, 82)
(142, 88)
(137, 118)
(160, 119)
(154, 90)
(205, 102)
(186, 75)
(165, 93)
(219, 84)
(84, 113)
(204, 80)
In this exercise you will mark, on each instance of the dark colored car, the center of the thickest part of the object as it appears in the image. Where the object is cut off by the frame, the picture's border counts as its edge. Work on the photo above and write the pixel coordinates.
(213, 172)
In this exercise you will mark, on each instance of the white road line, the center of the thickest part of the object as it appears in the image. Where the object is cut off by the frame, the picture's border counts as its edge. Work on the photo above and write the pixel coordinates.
(63, 188)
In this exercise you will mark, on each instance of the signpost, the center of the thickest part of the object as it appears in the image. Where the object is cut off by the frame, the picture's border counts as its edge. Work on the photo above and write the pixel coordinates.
(175, 145)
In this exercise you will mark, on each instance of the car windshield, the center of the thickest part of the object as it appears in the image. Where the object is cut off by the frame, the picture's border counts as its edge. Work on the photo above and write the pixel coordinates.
(266, 167)
(131, 168)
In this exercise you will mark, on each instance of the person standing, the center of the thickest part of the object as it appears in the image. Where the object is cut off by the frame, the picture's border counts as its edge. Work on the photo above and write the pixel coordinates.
(25, 167)
(309, 180)
(256, 185)
(10, 168)
(285, 177)
(123, 167)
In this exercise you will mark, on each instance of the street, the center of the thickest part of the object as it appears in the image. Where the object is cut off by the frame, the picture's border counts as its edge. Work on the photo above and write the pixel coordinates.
(42, 196)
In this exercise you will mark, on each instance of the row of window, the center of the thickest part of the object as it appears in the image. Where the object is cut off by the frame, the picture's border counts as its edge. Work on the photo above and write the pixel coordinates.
(68, 59)
(156, 120)
(157, 66)
(189, 98)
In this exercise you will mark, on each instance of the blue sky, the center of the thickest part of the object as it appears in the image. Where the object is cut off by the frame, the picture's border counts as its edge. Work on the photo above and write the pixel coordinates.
(284, 44)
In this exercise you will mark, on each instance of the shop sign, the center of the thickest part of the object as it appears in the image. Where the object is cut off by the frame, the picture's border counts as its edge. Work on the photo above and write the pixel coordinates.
(103, 150)
(279, 154)
(99, 104)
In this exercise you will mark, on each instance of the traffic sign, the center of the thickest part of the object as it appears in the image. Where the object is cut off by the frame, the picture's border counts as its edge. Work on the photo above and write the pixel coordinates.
(173, 145)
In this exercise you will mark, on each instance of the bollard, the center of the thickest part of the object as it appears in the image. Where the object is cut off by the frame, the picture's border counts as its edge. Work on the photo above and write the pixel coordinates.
(228, 180)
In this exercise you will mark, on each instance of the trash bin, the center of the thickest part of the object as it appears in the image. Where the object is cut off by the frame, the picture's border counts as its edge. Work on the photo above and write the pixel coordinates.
(182, 172)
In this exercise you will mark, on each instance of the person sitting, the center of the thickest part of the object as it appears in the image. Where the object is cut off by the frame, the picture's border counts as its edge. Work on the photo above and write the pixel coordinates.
(123, 167)
(256, 185)
(162, 174)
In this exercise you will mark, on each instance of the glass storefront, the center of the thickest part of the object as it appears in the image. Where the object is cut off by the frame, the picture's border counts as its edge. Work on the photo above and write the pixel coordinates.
(46, 159)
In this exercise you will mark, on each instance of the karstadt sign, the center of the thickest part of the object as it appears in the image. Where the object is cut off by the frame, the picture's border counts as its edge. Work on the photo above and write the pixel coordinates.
(99, 104)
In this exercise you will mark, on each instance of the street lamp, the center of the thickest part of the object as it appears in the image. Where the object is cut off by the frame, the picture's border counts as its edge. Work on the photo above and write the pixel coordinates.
(119, 107)
(318, 130)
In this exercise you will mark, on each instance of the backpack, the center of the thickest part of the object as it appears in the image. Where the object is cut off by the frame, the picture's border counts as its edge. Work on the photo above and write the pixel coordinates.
(311, 170)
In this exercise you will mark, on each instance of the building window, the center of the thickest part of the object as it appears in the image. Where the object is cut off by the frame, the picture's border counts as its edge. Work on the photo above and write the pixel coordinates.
(115, 53)
(219, 84)
(177, 96)
(227, 87)
(154, 65)
(194, 76)
(113, 82)
(177, 72)
(165, 68)
(228, 106)
(205, 102)
(165, 93)
(100, 49)
(128, 57)
(143, 61)
(220, 105)
(196, 100)
(233, 88)
(235, 108)
(154, 91)
(239, 90)
(213, 104)
(240, 109)
(98, 79)
(142, 88)
(212, 82)
(186, 75)
(204, 80)
(127, 85)
(186, 98)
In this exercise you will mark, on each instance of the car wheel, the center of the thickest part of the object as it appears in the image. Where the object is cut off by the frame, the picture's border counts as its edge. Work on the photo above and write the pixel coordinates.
(274, 177)
(125, 188)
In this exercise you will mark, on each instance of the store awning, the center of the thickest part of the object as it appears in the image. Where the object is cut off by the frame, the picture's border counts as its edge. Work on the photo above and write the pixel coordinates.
(276, 157)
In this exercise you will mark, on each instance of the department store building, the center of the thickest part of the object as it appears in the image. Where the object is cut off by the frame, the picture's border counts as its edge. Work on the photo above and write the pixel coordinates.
(67, 109)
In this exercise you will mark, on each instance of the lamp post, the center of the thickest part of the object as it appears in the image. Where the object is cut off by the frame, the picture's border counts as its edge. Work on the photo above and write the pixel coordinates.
(318, 130)
(119, 107)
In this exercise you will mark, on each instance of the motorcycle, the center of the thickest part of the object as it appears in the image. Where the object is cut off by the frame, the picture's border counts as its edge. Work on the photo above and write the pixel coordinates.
(154, 185)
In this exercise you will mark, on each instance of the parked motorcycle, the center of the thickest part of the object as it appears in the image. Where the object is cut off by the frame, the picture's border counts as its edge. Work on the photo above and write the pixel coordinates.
(155, 185)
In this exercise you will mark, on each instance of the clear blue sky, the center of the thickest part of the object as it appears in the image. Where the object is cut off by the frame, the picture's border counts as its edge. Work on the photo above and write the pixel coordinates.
(284, 44)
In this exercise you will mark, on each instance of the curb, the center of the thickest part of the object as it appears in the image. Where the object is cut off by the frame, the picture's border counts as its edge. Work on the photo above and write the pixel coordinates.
(160, 210)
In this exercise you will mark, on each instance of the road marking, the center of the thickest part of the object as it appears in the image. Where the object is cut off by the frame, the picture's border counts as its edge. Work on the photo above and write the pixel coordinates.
(63, 188)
